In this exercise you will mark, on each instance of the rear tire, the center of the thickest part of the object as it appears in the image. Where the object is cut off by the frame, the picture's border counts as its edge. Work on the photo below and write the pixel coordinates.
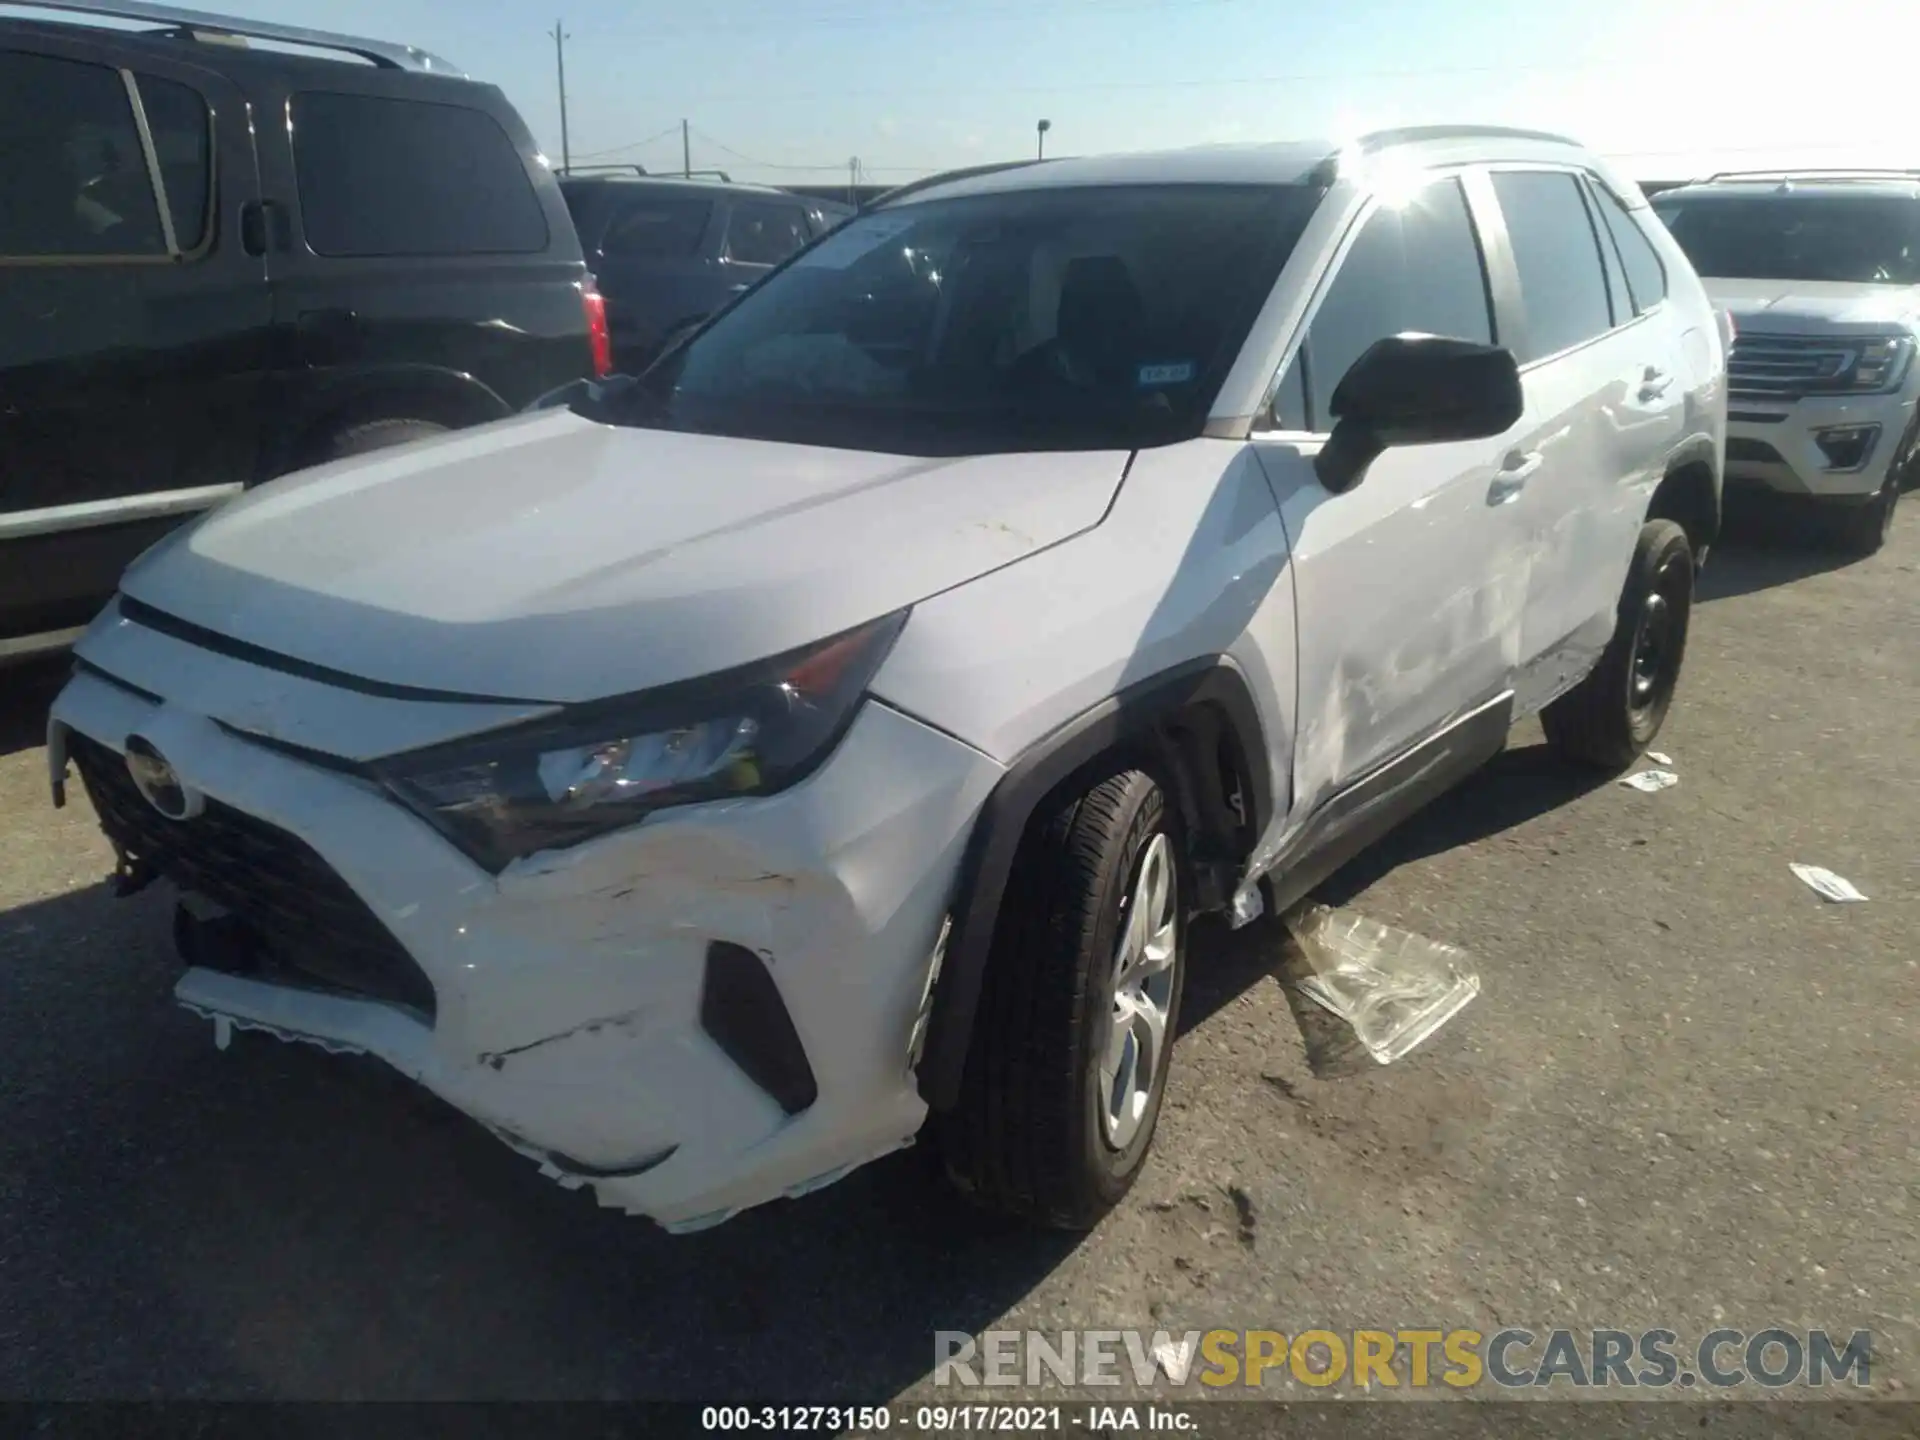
(370, 435)
(1610, 717)
(1081, 997)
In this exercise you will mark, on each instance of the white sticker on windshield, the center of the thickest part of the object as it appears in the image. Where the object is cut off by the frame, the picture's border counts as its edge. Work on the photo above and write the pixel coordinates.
(853, 240)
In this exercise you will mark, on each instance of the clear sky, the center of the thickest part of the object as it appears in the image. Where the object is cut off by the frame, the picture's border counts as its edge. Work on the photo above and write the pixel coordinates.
(790, 89)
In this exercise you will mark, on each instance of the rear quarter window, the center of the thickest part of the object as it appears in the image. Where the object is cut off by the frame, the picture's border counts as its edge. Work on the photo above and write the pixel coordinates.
(384, 177)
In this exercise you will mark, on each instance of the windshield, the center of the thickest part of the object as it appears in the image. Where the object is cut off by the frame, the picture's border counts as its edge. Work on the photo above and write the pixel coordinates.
(1868, 239)
(1086, 318)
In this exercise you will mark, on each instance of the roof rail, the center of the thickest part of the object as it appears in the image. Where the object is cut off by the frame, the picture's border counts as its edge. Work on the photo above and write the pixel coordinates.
(1410, 134)
(968, 172)
(379, 52)
(1844, 173)
(642, 173)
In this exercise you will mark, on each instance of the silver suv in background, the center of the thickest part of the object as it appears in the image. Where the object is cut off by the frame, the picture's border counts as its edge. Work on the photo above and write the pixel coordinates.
(706, 782)
(1821, 272)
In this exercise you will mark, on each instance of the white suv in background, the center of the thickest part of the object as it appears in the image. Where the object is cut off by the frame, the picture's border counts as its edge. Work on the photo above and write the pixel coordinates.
(1821, 271)
(703, 781)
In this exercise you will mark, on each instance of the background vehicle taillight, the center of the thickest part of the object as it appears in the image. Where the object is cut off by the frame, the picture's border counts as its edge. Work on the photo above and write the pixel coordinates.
(595, 304)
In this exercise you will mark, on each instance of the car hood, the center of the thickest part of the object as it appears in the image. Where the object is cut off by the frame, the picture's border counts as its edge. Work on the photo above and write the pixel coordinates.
(549, 557)
(1812, 306)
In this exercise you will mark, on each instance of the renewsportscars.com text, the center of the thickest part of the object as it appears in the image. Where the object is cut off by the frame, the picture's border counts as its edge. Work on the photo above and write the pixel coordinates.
(1410, 1358)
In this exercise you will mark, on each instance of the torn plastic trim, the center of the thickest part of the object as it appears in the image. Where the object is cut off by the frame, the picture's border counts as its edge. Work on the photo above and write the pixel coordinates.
(1353, 817)
(572, 1173)
(224, 1024)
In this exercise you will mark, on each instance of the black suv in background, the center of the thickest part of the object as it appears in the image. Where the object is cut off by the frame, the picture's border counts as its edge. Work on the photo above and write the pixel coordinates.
(668, 252)
(220, 262)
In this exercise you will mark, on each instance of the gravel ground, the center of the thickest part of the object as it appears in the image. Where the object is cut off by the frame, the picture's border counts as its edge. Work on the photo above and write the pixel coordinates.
(1685, 1098)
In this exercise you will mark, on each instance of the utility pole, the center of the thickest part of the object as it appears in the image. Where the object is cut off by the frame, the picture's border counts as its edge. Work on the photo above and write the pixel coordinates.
(1040, 130)
(853, 182)
(686, 153)
(560, 63)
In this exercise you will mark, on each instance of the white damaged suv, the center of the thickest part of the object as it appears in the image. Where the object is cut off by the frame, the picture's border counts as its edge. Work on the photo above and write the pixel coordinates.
(712, 782)
(1820, 271)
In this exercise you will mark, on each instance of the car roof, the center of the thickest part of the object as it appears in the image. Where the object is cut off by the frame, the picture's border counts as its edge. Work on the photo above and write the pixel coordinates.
(675, 184)
(1896, 186)
(1288, 162)
(236, 59)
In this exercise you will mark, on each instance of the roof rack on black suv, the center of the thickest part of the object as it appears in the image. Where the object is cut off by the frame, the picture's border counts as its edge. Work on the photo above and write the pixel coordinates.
(195, 24)
(190, 305)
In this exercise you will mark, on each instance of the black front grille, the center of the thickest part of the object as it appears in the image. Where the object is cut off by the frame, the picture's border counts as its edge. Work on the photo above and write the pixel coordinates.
(307, 917)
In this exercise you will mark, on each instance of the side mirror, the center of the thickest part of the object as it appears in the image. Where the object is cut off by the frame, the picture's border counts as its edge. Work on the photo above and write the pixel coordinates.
(1417, 390)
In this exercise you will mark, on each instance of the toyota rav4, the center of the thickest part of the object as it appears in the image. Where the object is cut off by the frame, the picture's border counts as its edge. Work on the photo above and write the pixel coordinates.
(713, 781)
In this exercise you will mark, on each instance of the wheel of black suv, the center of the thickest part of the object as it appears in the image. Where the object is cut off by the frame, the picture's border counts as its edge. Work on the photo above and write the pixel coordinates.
(1865, 530)
(1081, 995)
(1613, 715)
(378, 435)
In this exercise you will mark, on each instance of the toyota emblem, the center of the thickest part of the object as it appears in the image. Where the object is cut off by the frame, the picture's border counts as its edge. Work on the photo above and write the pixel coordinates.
(158, 781)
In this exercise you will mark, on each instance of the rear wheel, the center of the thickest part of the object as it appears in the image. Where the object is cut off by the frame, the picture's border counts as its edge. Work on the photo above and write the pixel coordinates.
(1068, 1064)
(1614, 714)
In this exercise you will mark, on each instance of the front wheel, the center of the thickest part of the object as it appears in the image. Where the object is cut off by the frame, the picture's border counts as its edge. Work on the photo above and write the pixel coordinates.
(1865, 530)
(1610, 717)
(1071, 1045)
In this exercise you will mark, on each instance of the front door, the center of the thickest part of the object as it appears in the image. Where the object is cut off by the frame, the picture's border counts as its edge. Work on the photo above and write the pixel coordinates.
(1411, 585)
(132, 322)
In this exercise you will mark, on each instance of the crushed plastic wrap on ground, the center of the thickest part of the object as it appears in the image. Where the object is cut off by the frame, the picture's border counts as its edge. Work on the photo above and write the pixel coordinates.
(1650, 780)
(1826, 884)
(1393, 987)
(1657, 758)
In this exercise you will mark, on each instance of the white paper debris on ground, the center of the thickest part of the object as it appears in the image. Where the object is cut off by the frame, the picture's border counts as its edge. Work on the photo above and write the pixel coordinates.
(1826, 884)
(1651, 780)
(1393, 987)
(1657, 758)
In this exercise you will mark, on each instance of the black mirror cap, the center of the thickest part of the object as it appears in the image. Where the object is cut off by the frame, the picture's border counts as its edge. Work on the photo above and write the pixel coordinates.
(1426, 389)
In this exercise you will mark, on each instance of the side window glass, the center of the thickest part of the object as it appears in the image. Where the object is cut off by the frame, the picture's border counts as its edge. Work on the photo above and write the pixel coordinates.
(759, 233)
(1646, 276)
(382, 176)
(1618, 300)
(76, 179)
(1557, 253)
(658, 228)
(1290, 398)
(1414, 270)
(183, 143)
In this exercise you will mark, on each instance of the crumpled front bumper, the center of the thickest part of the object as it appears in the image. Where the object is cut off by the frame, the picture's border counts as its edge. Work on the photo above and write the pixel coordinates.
(569, 989)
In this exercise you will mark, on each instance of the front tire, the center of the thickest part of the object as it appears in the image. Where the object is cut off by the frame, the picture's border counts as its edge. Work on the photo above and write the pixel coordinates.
(1610, 717)
(1081, 997)
(1865, 530)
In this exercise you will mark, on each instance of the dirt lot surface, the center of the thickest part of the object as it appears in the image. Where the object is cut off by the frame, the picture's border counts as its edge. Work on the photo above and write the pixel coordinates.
(1686, 1098)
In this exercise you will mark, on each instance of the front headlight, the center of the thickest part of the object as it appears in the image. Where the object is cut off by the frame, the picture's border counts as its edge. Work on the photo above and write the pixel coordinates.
(600, 767)
(1883, 363)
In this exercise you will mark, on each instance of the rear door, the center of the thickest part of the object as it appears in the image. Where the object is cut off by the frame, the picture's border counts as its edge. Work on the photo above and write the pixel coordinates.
(653, 253)
(1411, 585)
(417, 238)
(1605, 405)
(760, 234)
(133, 324)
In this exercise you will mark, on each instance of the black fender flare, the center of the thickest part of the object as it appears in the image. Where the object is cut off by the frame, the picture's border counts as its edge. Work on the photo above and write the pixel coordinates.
(376, 392)
(1003, 820)
(1700, 450)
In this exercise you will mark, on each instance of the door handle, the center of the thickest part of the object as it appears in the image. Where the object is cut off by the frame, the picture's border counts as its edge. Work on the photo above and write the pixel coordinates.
(264, 227)
(1654, 383)
(1512, 476)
